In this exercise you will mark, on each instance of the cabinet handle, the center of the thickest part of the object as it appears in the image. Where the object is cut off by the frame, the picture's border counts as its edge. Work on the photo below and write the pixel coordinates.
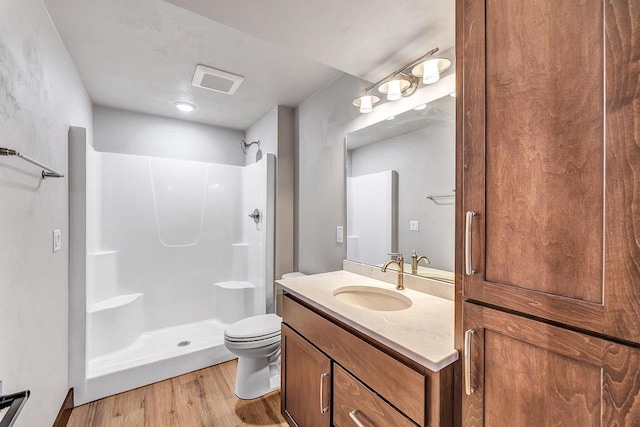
(354, 416)
(468, 388)
(323, 408)
(468, 268)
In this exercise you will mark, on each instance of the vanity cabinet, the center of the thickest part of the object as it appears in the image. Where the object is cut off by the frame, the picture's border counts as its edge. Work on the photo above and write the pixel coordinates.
(306, 387)
(529, 373)
(383, 386)
(353, 401)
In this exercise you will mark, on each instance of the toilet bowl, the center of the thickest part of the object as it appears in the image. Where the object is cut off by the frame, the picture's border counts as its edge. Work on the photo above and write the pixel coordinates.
(256, 342)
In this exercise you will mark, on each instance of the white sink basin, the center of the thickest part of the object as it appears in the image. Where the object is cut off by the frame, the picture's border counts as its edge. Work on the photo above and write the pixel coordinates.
(371, 298)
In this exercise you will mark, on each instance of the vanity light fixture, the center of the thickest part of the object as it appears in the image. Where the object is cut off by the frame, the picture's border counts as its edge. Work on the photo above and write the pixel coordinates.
(404, 81)
(397, 87)
(431, 69)
(185, 107)
(366, 102)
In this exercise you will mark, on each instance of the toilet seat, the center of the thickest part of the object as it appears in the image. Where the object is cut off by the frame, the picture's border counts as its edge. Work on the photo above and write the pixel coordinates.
(263, 327)
(252, 339)
(246, 345)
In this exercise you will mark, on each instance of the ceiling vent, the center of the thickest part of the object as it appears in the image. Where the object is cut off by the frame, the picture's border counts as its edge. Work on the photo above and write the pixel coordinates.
(220, 81)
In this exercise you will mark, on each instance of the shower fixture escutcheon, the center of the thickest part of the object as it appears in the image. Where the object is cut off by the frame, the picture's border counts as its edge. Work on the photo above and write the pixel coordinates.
(255, 215)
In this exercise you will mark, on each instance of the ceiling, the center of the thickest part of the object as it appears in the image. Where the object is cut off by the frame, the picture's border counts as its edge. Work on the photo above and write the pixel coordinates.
(141, 55)
(365, 38)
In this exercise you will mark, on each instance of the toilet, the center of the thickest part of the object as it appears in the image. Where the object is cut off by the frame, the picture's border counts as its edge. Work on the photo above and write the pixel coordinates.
(256, 342)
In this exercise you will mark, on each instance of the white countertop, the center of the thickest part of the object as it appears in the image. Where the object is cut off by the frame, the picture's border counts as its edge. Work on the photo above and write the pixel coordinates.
(422, 332)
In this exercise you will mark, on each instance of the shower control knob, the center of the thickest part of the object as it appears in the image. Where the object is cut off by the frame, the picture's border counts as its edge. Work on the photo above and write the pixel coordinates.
(255, 215)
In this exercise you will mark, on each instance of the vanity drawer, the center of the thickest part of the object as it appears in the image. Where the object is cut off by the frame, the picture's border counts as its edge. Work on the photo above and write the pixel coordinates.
(390, 378)
(349, 394)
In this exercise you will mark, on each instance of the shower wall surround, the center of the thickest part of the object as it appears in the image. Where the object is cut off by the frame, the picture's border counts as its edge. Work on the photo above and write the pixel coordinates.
(172, 256)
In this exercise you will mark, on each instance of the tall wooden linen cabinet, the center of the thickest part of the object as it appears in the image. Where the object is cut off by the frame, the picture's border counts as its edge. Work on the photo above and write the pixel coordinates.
(548, 212)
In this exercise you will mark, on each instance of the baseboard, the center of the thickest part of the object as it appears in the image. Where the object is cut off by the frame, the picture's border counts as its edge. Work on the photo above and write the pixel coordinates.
(65, 411)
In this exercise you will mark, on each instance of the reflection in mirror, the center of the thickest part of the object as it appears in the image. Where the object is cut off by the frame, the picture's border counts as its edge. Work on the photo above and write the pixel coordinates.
(400, 190)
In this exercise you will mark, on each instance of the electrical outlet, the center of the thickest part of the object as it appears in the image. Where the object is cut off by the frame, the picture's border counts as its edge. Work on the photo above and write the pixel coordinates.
(414, 225)
(339, 234)
(57, 241)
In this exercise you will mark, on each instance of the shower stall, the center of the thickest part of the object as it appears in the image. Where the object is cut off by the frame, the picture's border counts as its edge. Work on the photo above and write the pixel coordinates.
(165, 255)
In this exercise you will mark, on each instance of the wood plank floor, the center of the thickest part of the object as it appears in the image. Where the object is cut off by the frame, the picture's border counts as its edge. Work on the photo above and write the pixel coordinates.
(202, 398)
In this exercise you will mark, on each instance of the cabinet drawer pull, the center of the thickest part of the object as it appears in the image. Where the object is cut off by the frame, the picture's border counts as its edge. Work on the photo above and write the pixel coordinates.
(323, 408)
(468, 267)
(354, 416)
(468, 388)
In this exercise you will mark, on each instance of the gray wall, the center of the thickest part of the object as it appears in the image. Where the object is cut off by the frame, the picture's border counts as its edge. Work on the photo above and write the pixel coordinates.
(285, 199)
(323, 121)
(41, 95)
(127, 132)
(425, 161)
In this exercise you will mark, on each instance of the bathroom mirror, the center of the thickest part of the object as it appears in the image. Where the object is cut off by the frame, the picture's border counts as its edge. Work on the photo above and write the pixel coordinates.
(400, 189)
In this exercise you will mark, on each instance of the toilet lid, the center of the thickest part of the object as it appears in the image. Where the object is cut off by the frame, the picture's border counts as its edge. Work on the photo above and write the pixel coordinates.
(255, 327)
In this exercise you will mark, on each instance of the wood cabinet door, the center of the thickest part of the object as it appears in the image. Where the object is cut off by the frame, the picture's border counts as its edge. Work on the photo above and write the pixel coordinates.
(306, 382)
(550, 130)
(528, 373)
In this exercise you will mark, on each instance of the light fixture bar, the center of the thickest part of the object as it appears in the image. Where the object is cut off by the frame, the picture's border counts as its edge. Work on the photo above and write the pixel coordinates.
(400, 70)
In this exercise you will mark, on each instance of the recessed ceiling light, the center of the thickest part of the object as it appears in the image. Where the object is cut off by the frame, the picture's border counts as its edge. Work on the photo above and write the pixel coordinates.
(184, 106)
(420, 107)
(391, 118)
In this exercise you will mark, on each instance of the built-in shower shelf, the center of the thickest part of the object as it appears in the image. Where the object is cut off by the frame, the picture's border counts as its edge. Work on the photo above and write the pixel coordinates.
(115, 302)
(234, 300)
(114, 323)
(98, 253)
(234, 285)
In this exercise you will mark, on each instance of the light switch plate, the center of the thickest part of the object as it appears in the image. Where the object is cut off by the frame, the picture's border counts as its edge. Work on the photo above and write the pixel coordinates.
(414, 225)
(339, 234)
(57, 241)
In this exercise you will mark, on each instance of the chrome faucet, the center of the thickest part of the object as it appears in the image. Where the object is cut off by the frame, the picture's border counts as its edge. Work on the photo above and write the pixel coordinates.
(415, 260)
(400, 263)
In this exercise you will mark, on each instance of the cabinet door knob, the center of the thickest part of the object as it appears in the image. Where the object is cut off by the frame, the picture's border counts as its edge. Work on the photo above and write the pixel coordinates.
(354, 416)
(468, 388)
(468, 267)
(323, 408)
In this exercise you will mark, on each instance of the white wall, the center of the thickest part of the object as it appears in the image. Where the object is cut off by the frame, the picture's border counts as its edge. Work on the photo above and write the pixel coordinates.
(276, 133)
(126, 132)
(41, 95)
(425, 161)
(264, 130)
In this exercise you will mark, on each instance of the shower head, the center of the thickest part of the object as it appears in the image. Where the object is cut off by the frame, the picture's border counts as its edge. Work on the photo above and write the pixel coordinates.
(244, 145)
